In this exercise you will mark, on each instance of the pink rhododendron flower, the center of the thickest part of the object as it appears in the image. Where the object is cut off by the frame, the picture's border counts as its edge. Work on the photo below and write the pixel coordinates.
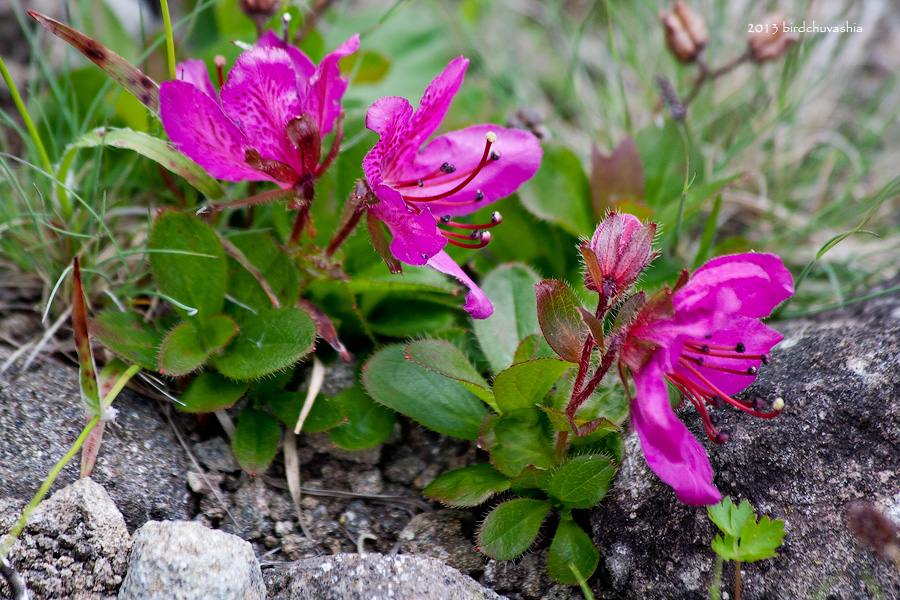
(706, 339)
(269, 118)
(420, 191)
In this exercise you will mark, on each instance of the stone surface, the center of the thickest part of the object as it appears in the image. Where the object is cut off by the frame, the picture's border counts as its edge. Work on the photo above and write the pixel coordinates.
(187, 561)
(837, 441)
(75, 544)
(140, 463)
(440, 535)
(216, 454)
(372, 577)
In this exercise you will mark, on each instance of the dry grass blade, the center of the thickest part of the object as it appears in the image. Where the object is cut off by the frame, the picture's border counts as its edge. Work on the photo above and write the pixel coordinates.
(315, 384)
(132, 79)
(292, 475)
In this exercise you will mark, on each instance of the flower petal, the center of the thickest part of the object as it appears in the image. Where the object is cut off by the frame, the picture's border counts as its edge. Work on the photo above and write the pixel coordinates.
(389, 118)
(757, 339)
(303, 65)
(670, 449)
(261, 97)
(326, 86)
(477, 303)
(199, 129)
(194, 71)
(520, 156)
(760, 281)
(416, 236)
(433, 108)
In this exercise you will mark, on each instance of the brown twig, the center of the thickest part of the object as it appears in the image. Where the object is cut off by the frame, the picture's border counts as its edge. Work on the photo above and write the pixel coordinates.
(312, 19)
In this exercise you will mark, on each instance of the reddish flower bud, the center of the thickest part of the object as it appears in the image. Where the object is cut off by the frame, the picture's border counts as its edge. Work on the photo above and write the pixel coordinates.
(686, 33)
(617, 253)
(769, 41)
(260, 9)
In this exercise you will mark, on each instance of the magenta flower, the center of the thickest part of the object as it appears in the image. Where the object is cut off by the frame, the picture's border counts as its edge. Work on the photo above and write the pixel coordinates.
(419, 192)
(267, 122)
(706, 339)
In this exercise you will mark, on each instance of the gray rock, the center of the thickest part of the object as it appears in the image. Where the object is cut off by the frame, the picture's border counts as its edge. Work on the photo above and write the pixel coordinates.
(439, 535)
(187, 561)
(837, 441)
(372, 577)
(75, 544)
(140, 463)
(216, 454)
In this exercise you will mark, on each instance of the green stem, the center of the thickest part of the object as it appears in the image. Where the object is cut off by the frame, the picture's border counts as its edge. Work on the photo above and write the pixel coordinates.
(16, 531)
(170, 39)
(23, 111)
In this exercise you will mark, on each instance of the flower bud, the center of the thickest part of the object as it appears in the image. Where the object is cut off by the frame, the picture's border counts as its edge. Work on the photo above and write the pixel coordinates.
(770, 41)
(260, 10)
(686, 33)
(617, 253)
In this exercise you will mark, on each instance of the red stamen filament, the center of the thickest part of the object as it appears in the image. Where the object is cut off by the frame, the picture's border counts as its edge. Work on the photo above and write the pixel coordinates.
(711, 432)
(744, 406)
(690, 347)
(219, 61)
(722, 369)
(485, 159)
(496, 219)
(485, 240)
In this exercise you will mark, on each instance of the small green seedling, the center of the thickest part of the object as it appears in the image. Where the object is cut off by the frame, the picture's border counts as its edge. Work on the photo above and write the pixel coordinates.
(744, 539)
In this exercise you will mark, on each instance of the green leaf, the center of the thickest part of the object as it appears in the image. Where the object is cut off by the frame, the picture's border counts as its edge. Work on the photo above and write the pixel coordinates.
(745, 539)
(210, 392)
(517, 440)
(255, 440)
(423, 395)
(368, 423)
(268, 341)
(325, 414)
(527, 348)
(511, 289)
(153, 148)
(525, 384)
(571, 545)
(126, 334)
(217, 331)
(448, 360)
(560, 192)
(531, 478)
(469, 486)
(759, 540)
(181, 352)
(87, 368)
(730, 518)
(583, 481)
(512, 527)
(274, 266)
(561, 323)
(188, 264)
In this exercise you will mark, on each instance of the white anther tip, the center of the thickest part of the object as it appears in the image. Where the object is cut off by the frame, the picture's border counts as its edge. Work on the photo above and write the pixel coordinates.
(778, 404)
(286, 17)
(491, 136)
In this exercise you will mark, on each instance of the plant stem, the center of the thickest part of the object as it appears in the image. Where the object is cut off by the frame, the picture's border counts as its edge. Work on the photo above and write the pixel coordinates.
(170, 39)
(16, 531)
(737, 579)
(23, 112)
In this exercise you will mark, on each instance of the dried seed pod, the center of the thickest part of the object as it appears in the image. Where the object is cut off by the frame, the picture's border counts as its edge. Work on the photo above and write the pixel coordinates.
(769, 40)
(686, 33)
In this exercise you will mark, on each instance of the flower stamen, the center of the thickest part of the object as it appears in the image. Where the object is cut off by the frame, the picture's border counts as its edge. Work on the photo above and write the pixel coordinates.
(485, 237)
(713, 390)
(447, 168)
(219, 61)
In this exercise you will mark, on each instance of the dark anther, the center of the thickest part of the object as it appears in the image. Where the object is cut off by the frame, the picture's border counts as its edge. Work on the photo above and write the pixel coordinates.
(752, 371)
(447, 168)
(420, 183)
(765, 359)
(494, 156)
(479, 196)
(759, 405)
(496, 217)
(716, 401)
(709, 337)
(705, 349)
(446, 219)
(475, 235)
(724, 436)
(714, 419)
(740, 347)
(700, 362)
